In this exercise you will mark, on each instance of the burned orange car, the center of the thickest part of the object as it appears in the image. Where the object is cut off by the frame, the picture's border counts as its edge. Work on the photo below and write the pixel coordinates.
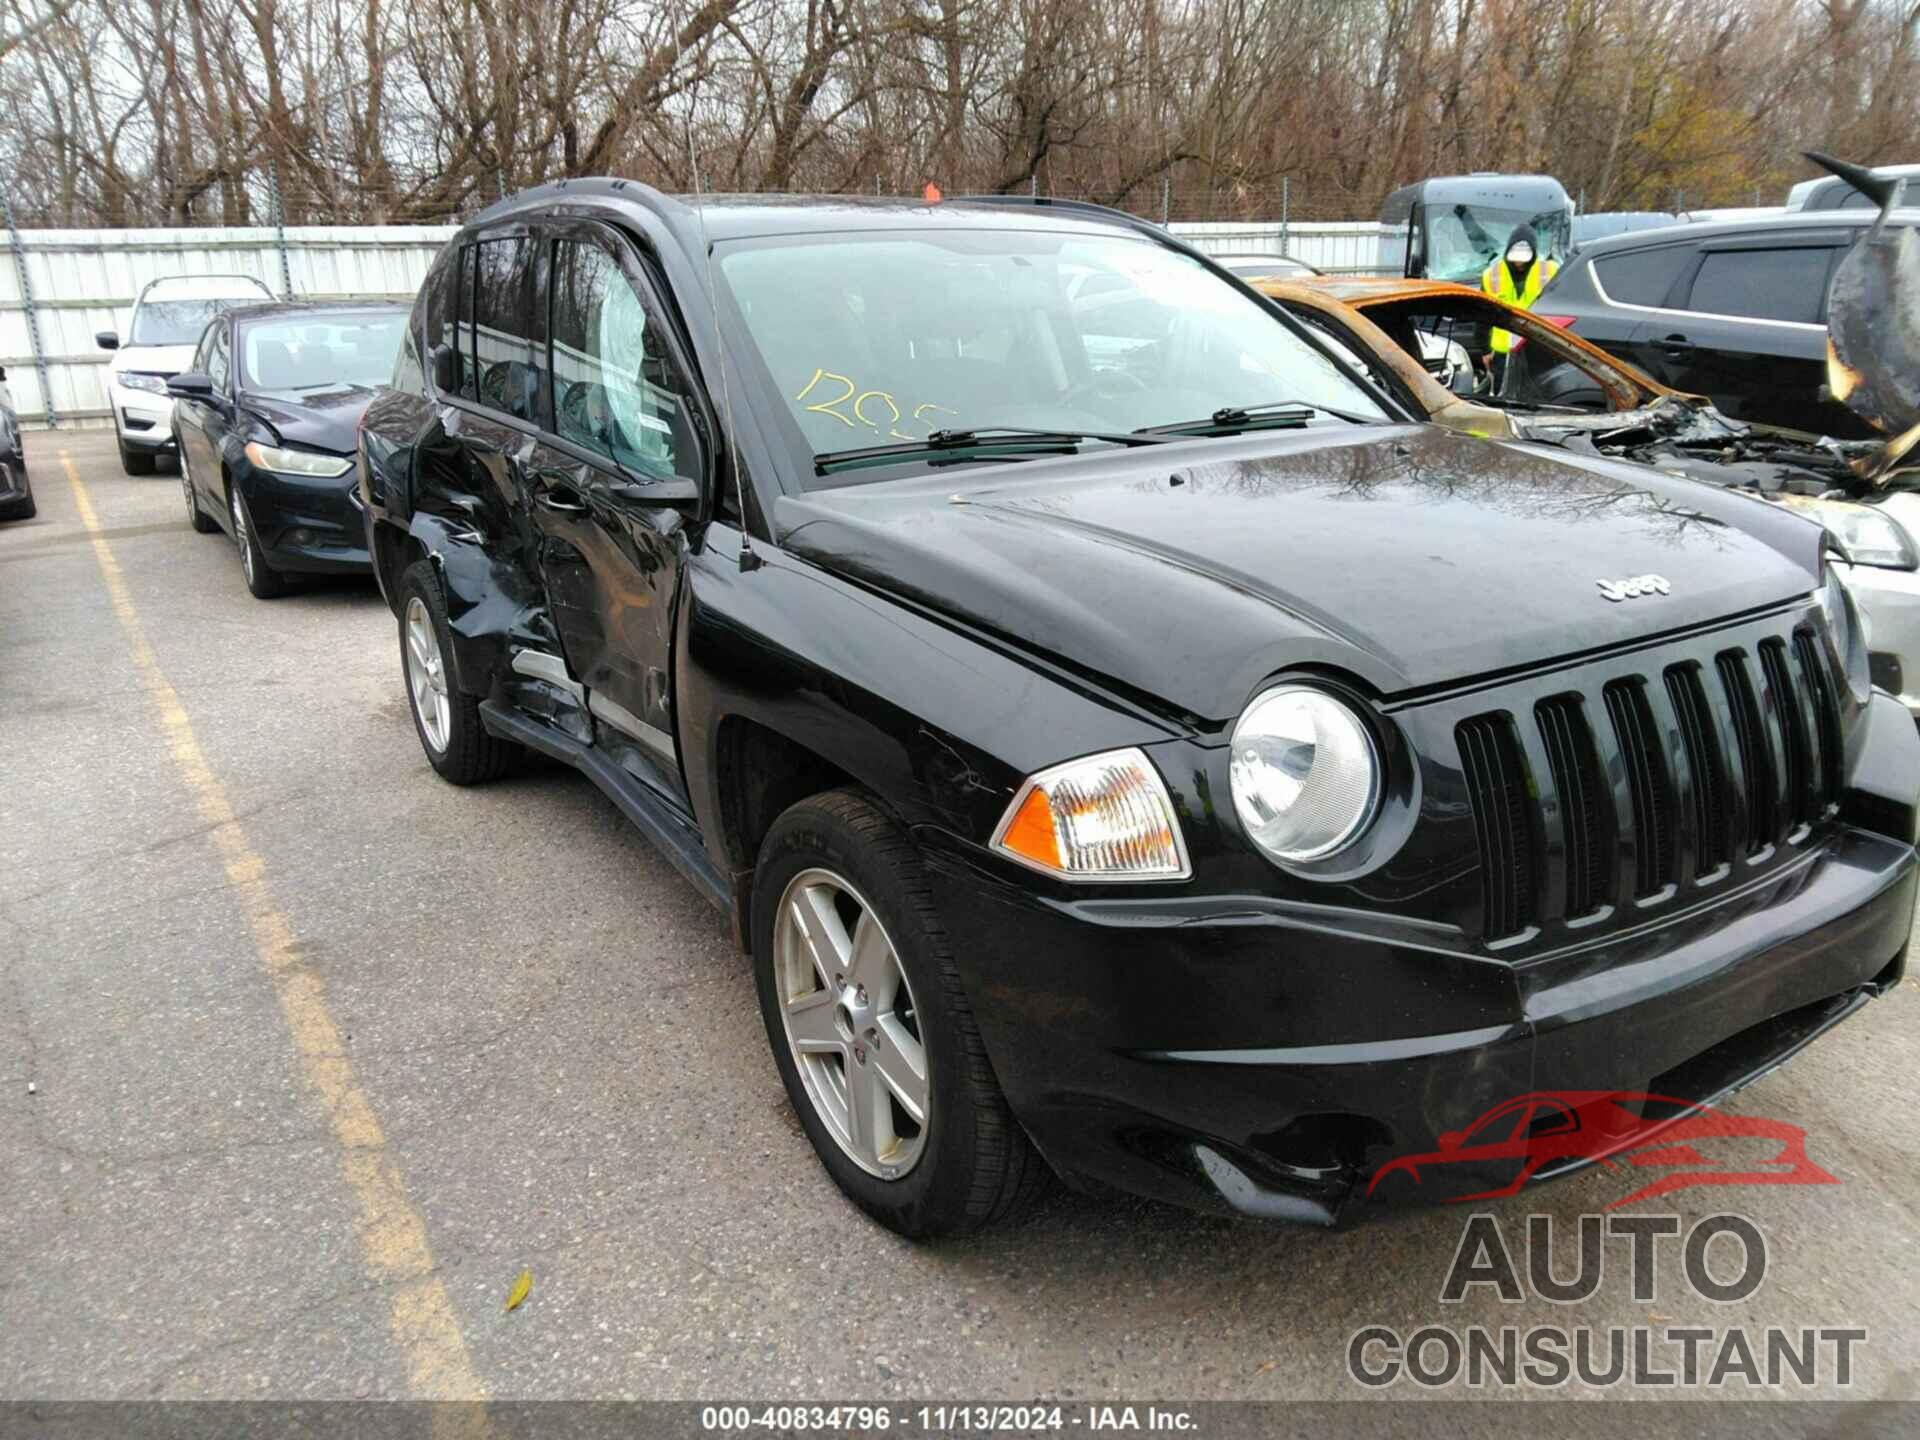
(1426, 341)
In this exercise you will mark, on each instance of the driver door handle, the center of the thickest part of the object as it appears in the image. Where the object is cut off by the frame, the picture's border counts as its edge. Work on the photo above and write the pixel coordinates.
(1677, 347)
(554, 490)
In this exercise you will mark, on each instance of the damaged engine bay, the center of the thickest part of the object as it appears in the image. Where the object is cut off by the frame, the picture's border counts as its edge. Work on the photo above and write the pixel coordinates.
(1683, 437)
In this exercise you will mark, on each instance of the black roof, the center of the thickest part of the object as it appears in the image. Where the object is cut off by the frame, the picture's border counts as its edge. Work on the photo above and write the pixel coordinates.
(737, 217)
(1796, 220)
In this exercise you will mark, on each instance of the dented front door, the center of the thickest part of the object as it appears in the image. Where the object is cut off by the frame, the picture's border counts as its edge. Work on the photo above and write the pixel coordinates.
(610, 484)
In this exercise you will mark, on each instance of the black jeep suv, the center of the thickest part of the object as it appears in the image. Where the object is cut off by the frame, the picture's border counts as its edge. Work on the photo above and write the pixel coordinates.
(1127, 746)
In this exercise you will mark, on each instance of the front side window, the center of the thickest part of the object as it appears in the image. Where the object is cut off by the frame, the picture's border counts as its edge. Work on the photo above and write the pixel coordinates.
(506, 376)
(321, 352)
(616, 390)
(873, 339)
(1763, 284)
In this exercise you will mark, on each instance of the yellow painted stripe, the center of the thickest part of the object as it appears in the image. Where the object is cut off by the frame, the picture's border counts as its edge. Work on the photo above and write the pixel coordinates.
(393, 1238)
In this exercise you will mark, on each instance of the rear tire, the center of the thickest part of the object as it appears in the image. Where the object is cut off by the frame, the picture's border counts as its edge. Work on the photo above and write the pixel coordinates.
(134, 462)
(838, 869)
(457, 743)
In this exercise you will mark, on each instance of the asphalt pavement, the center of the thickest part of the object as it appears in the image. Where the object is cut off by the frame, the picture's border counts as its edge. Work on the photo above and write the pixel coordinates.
(305, 1055)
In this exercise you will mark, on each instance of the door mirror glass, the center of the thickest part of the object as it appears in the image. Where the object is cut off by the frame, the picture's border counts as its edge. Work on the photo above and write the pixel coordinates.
(190, 385)
(106, 339)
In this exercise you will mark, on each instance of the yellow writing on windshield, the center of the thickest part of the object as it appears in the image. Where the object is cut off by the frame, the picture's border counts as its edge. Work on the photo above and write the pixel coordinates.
(870, 408)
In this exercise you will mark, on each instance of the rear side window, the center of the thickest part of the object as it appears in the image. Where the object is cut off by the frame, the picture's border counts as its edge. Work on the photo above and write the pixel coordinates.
(441, 324)
(1762, 284)
(1642, 277)
(503, 337)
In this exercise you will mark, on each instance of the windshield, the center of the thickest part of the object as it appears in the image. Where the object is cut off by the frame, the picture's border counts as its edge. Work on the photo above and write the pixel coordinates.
(308, 353)
(887, 338)
(180, 322)
(1462, 240)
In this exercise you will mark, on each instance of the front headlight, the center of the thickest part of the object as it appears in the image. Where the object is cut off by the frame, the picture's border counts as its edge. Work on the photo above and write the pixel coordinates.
(1305, 773)
(1851, 630)
(1106, 817)
(309, 463)
(1869, 536)
(134, 380)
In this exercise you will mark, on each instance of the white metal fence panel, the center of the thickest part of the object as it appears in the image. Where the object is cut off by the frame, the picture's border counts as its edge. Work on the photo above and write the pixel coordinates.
(84, 281)
(1340, 247)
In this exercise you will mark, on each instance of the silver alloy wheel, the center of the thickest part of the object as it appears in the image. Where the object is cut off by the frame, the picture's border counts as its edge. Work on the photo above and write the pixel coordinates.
(240, 535)
(427, 676)
(851, 1023)
(186, 484)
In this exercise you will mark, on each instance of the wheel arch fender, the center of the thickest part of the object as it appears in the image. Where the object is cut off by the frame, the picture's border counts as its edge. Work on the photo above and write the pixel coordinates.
(792, 680)
(467, 582)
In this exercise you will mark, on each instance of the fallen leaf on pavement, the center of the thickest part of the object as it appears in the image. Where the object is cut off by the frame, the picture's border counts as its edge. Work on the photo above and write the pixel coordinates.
(520, 1289)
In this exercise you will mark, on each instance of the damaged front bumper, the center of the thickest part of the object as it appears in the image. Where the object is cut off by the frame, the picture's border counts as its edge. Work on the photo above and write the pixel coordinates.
(1233, 1054)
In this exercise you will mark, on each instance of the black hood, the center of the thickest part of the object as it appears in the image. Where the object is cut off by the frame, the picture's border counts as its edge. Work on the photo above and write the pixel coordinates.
(1406, 556)
(314, 419)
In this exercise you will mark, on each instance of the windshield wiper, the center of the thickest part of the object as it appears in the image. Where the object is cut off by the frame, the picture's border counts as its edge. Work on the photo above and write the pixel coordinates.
(1012, 438)
(1230, 418)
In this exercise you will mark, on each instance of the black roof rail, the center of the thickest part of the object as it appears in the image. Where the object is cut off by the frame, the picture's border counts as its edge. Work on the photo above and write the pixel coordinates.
(1055, 202)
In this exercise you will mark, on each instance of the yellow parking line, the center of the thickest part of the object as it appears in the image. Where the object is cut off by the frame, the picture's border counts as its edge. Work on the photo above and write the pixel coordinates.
(393, 1238)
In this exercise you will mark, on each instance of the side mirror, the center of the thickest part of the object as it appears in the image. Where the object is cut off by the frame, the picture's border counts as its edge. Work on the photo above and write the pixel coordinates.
(444, 362)
(674, 490)
(190, 385)
(106, 339)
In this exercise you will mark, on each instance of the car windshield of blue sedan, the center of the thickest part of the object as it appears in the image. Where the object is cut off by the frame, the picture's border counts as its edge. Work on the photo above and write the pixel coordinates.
(333, 352)
(886, 338)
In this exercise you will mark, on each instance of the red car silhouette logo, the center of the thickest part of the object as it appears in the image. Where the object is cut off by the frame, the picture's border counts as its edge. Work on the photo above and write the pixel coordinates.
(1553, 1131)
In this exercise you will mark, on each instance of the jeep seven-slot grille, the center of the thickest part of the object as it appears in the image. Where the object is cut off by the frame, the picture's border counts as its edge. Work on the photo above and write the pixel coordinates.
(1654, 846)
(1696, 765)
(1712, 822)
(1757, 781)
(1586, 805)
(1497, 779)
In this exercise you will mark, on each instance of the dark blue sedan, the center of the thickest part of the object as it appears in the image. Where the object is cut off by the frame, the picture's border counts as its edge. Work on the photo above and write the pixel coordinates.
(266, 423)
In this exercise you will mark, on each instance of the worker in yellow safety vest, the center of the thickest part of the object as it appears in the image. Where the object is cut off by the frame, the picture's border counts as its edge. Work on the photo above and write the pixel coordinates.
(1516, 277)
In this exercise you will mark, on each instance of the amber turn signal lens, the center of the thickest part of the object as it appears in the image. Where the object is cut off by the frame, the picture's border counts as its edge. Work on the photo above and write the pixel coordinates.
(1107, 818)
(1030, 833)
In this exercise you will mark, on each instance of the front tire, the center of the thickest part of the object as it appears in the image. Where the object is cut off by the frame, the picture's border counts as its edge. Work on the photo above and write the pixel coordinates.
(458, 745)
(871, 1028)
(22, 506)
(263, 581)
(134, 462)
(196, 517)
